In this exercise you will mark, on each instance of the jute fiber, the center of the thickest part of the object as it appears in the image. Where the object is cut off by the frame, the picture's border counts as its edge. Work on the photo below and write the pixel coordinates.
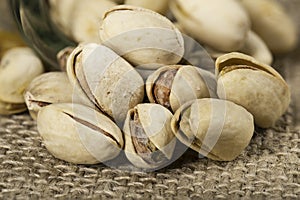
(269, 168)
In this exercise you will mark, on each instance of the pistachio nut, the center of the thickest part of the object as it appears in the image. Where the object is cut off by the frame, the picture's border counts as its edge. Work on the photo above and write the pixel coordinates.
(254, 46)
(172, 86)
(107, 79)
(48, 88)
(222, 25)
(256, 86)
(79, 134)
(217, 129)
(273, 24)
(17, 68)
(143, 37)
(87, 18)
(149, 141)
(160, 6)
(79, 19)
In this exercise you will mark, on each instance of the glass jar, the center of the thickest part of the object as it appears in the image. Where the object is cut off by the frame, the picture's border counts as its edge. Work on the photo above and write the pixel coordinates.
(32, 17)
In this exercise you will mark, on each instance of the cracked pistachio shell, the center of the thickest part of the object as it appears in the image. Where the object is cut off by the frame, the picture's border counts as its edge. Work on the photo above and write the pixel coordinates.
(107, 79)
(257, 87)
(149, 141)
(222, 25)
(273, 24)
(143, 37)
(79, 134)
(217, 129)
(17, 68)
(48, 88)
(160, 6)
(172, 86)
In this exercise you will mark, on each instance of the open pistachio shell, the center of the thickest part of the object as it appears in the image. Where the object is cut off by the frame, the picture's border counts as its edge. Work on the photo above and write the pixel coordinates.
(48, 88)
(172, 86)
(79, 134)
(143, 37)
(149, 141)
(217, 129)
(109, 81)
(222, 25)
(254, 85)
(273, 24)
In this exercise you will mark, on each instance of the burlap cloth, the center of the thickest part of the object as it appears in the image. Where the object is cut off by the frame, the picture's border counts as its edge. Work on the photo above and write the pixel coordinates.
(269, 168)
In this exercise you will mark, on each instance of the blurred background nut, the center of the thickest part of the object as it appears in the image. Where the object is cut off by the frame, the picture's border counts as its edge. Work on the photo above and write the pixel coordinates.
(217, 129)
(17, 68)
(79, 19)
(273, 24)
(160, 6)
(172, 86)
(254, 46)
(48, 88)
(255, 86)
(222, 25)
(79, 134)
(107, 79)
(149, 141)
(143, 37)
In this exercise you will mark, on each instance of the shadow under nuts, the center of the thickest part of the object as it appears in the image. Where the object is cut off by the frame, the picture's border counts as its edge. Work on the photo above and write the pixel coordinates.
(217, 129)
(255, 86)
(79, 134)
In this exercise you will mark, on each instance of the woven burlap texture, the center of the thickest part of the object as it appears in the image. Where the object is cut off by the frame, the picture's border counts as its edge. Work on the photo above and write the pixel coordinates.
(268, 168)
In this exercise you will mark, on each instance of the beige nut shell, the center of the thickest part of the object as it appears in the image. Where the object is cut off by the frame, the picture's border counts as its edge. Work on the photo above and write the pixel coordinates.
(256, 86)
(48, 88)
(155, 120)
(217, 129)
(160, 6)
(189, 83)
(17, 68)
(78, 134)
(222, 25)
(143, 37)
(273, 24)
(109, 81)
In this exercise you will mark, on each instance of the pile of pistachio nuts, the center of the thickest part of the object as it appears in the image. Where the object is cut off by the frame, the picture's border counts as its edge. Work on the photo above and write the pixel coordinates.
(137, 89)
